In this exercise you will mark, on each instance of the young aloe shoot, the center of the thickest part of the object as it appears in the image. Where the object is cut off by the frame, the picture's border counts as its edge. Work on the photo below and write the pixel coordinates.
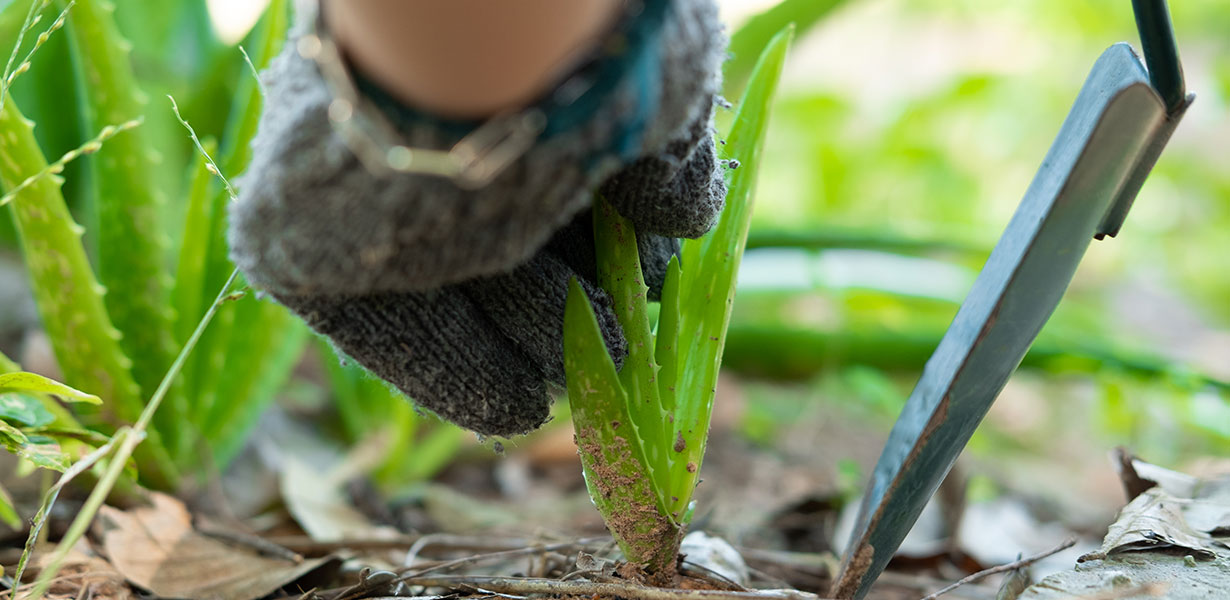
(642, 431)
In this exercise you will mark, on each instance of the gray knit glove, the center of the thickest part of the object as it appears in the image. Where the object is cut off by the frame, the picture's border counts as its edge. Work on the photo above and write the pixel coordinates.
(457, 296)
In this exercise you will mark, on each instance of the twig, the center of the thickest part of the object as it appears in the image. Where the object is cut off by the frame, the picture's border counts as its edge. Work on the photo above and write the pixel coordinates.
(353, 591)
(469, 560)
(810, 562)
(132, 436)
(247, 540)
(711, 577)
(1016, 564)
(512, 549)
(210, 165)
(9, 593)
(302, 544)
(628, 591)
(49, 500)
(251, 67)
(57, 167)
(32, 17)
(10, 76)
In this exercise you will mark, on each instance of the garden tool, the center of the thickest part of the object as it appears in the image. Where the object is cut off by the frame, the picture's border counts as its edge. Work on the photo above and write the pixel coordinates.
(1107, 146)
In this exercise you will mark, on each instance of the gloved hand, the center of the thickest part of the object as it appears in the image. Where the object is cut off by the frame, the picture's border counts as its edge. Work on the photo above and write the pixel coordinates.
(456, 296)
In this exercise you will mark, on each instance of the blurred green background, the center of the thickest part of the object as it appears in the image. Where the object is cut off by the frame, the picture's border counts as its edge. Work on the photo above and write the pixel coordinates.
(904, 136)
(911, 129)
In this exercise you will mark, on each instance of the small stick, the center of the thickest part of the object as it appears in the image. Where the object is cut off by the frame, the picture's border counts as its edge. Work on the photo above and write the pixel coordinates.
(1016, 564)
(628, 591)
(410, 572)
(302, 544)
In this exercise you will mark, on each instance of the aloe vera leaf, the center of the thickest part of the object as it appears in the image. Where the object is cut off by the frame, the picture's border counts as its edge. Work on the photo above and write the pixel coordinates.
(171, 40)
(48, 95)
(211, 356)
(425, 453)
(188, 291)
(619, 273)
(420, 446)
(187, 294)
(268, 37)
(265, 344)
(131, 240)
(615, 467)
(361, 400)
(758, 31)
(254, 371)
(69, 298)
(707, 287)
(666, 344)
(12, 18)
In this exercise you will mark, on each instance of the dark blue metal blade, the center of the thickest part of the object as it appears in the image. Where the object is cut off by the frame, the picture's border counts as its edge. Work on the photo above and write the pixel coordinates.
(1103, 152)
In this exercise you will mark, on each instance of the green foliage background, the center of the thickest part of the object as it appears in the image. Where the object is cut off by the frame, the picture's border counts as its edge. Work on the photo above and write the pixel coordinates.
(914, 127)
(905, 127)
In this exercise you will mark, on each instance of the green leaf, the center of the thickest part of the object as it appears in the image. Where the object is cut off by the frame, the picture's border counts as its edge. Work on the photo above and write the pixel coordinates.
(616, 470)
(8, 511)
(40, 450)
(13, 437)
(666, 349)
(707, 285)
(619, 273)
(171, 40)
(49, 96)
(187, 297)
(25, 409)
(251, 346)
(758, 32)
(362, 400)
(264, 346)
(187, 293)
(7, 365)
(31, 382)
(69, 298)
(60, 416)
(87, 436)
(131, 240)
(267, 37)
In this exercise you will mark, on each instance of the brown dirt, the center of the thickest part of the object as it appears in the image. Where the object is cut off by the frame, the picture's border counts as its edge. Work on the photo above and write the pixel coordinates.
(634, 517)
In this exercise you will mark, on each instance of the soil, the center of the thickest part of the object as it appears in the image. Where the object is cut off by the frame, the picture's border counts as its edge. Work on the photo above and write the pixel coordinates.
(527, 515)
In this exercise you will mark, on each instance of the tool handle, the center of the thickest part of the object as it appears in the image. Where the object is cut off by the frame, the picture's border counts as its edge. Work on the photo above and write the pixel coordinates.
(1161, 54)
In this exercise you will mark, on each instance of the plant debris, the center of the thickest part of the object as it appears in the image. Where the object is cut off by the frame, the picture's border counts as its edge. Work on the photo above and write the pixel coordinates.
(157, 549)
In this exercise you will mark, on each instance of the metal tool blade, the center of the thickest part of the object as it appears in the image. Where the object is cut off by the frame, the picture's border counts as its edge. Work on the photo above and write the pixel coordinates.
(1107, 145)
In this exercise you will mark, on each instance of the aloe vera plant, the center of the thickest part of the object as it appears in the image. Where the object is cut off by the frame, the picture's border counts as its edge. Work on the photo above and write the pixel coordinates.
(642, 431)
(108, 304)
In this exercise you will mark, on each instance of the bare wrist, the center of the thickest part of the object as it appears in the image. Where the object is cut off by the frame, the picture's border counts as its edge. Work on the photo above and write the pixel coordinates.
(467, 58)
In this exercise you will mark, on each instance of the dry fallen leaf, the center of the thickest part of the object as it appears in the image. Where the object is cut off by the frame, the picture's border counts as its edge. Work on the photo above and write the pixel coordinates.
(1205, 503)
(1160, 545)
(321, 507)
(1209, 511)
(1154, 520)
(83, 575)
(157, 549)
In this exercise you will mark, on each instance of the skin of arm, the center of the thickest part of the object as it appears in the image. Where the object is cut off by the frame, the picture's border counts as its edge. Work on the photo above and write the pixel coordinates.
(467, 58)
